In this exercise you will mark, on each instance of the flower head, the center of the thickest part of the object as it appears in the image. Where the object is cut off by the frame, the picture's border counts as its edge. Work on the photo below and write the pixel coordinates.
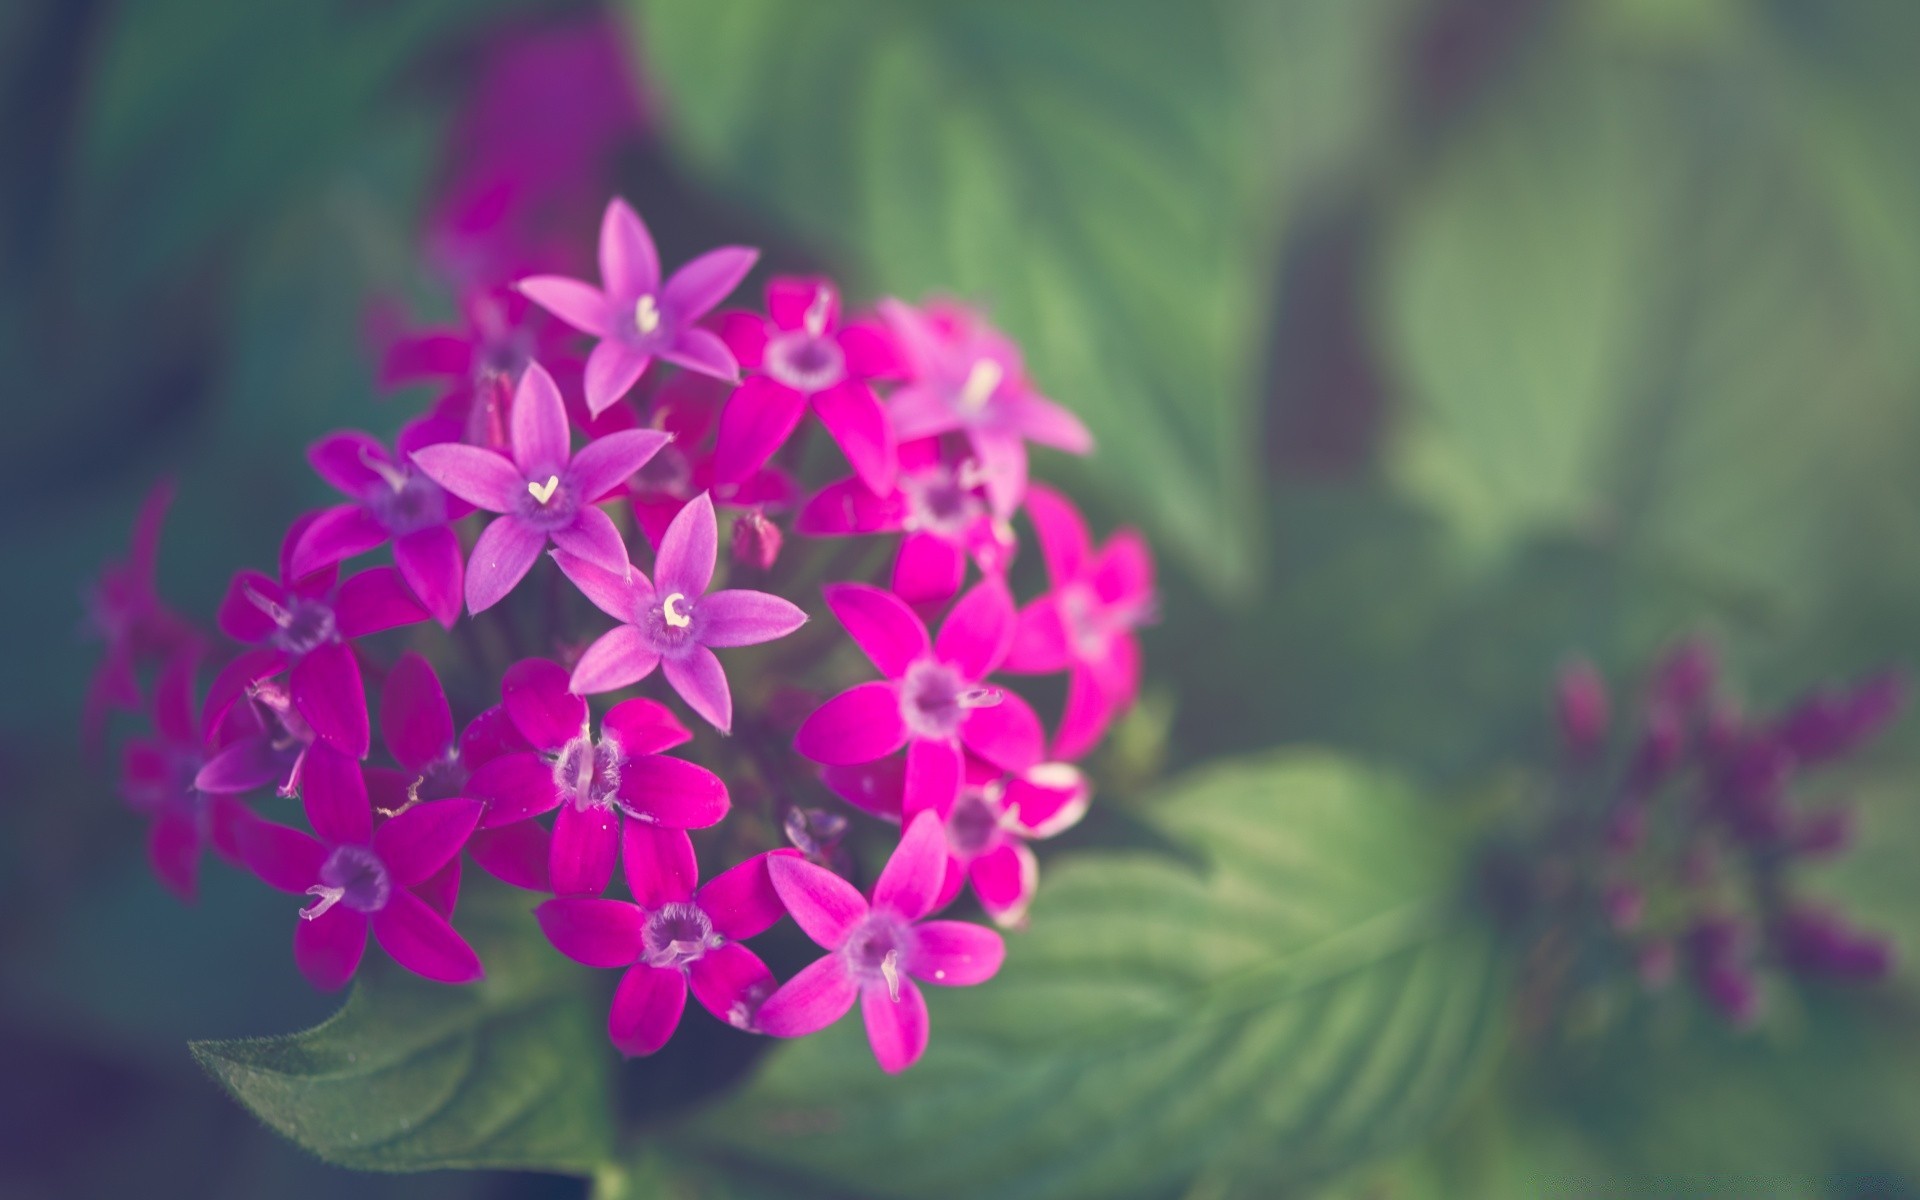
(877, 947)
(688, 407)
(159, 778)
(635, 316)
(673, 621)
(124, 610)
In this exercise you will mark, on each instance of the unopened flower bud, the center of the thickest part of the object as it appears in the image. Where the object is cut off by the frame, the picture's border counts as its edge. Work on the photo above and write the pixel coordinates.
(1580, 702)
(1685, 676)
(756, 541)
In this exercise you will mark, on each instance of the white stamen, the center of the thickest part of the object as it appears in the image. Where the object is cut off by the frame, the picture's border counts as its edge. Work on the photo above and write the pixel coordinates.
(890, 971)
(543, 492)
(646, 315)
(981, 697)
(981, 383)
(676, 618)
(328, 897)
(816, 318)
(395, 477)
(280, 616)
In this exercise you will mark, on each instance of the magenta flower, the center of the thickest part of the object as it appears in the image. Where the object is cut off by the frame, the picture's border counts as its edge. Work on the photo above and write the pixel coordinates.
(124, 610)
(502, 333)
(263, 741)
(878, 948)
(674, 936)
(543, 492)
(361, 877)
(592, 783)
(933, 700)
(940, 506)
(303, 626)
(159, 780)
(804, 355)
(1085, 624)
(634, 316)
(673, 623)
(968, 377)
(688, 406)
(392, 502)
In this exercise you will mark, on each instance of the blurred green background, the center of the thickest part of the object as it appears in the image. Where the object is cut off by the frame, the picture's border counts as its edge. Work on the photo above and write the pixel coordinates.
(1430, 340)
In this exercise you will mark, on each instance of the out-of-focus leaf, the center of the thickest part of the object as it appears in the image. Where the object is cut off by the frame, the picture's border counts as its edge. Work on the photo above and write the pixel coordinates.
(411, 1076)
(1310, 993)
(1013, 153)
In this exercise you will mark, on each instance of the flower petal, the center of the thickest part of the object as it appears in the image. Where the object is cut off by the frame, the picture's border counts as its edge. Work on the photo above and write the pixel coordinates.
(1063, 533)
(415, 720)
(825, 906)
(759, 417)
(285, 859)
(933, 778)
(896, 1029)
(643, 726)
(535, 693)
(881, 624)
(910, 882)
(513, 787)
(327, 949)
(488, 736)
(1003, 464)
(327, 691)
(1048, 799)
(441, 890)
(870, 349)
(620, 657)
(1084, 720)
(343, 459)
(875, 788)
(1006, 734)
(594, 538)
(685, 560)
(646, 1009)
(702, 682)
(514, 854)
(860, 724)
(956, 953)
(1004, 879)
(703, 352)
(1122, 572)
(1039, 419)
(629, 265)
(613, 367)
(586, 845)
(542, 441)
(672, 792)
(928, 570)
(173, 850)
(374, 601)
(593, 931)
(741, 617)
(241, 616)
(502, 556)
(791, 300)
(815, 998)
(608, 461)
(483, 478)
(580, 305)
(859, 426)
(422, 941)
(241, 766)
(1041, 643)
(429, 560)
(426, 837)
(979, 631)
(731, 982)
(334, 794)
(659, 864)
(620, 596)
(849, 506)
(336, 535)
(698, 287)
(741, 900)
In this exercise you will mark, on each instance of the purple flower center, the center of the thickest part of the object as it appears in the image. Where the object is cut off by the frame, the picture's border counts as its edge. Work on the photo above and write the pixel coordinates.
(879, 951)
(305, 627)
(677, 935)
(547, 502)
(410, 502)
(589, 774)
(974, 827)
(941, 501)
(353, 876)
(172, 791)
(806, 361)
(441, 779)
(934, 699)
(672, 624)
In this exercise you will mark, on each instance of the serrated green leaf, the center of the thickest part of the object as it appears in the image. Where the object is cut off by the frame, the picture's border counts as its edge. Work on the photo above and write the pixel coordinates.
(1307, 993)
(1113, 198)
(410, 1076)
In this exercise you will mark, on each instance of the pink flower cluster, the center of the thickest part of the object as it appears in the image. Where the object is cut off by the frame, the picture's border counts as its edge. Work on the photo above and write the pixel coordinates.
(686, 433)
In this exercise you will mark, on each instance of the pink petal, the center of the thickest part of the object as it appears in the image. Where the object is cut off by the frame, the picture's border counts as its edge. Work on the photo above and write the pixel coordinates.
(594, 538)
(921, 411)
(592, 931)
(685, 560)
(860, 724)
(881, 624)
(422, 941)
(698, 287)
(242, 766)
(643, 726)
(1084, 721)
(613, 367)
(759, 417)
(586, 843)
(659, 864)
(334, 793)
(1041, 644)
(514, 854)
(336, 535)
(1063, 533)
(327, 692)
(580, 305)
(173, 850)
(979, 630)
(932, 779)
(441, 890)
(929, 569)
(423, 839)
(875, 788)
(1003, 461)
(621, 657)
(490, 735)
(790, 298)
(284, 859)
(747, 618)
(430, 356)
(896, 1029)
(1123, 571)
(741, 900)
(731, 983)
(825, 906)
(606, 463)
(870, 350)
(1039, 419)
(1048, 799)
(1004, 879)
(327, 949)
(502, 556)
(815, 998)
(342, 460)
(859, 426)
(704, 352)
(240, 617)
(535, 693)
(697, 675)
(920, 344)
(646, 1009)
(849, 506)
(415, 721)
(481, 477)
(173, 699)
(910, 882)
(746, 335)
(429, 560)
(374, 601)
(629, 265)
(513, 787)
(956, 953)
(621, 596)
(672, 792)
(1006, 734)
(247, 668)
(542, 442)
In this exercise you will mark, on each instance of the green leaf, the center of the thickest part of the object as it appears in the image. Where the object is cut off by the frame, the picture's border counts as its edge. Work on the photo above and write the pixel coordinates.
(1306, 992)
(1124, 234)
(410, 1076)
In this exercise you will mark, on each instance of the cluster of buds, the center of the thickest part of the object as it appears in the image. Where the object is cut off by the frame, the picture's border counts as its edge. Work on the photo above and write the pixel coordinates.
(601, 724)
(1670, 850)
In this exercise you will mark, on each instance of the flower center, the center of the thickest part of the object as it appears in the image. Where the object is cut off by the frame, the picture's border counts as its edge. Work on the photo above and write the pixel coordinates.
(303, 628)
(353, 876)
(543, 492)
(673, 624)
(588, 774)
(974, 827)
(646, 315)
(878, 951)
(408, 503)
(806, 361)
(982, 381)
(171, 790)
(677, 935)
(940, 501)
(934, 699)
(550, 503)
(441, 779)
